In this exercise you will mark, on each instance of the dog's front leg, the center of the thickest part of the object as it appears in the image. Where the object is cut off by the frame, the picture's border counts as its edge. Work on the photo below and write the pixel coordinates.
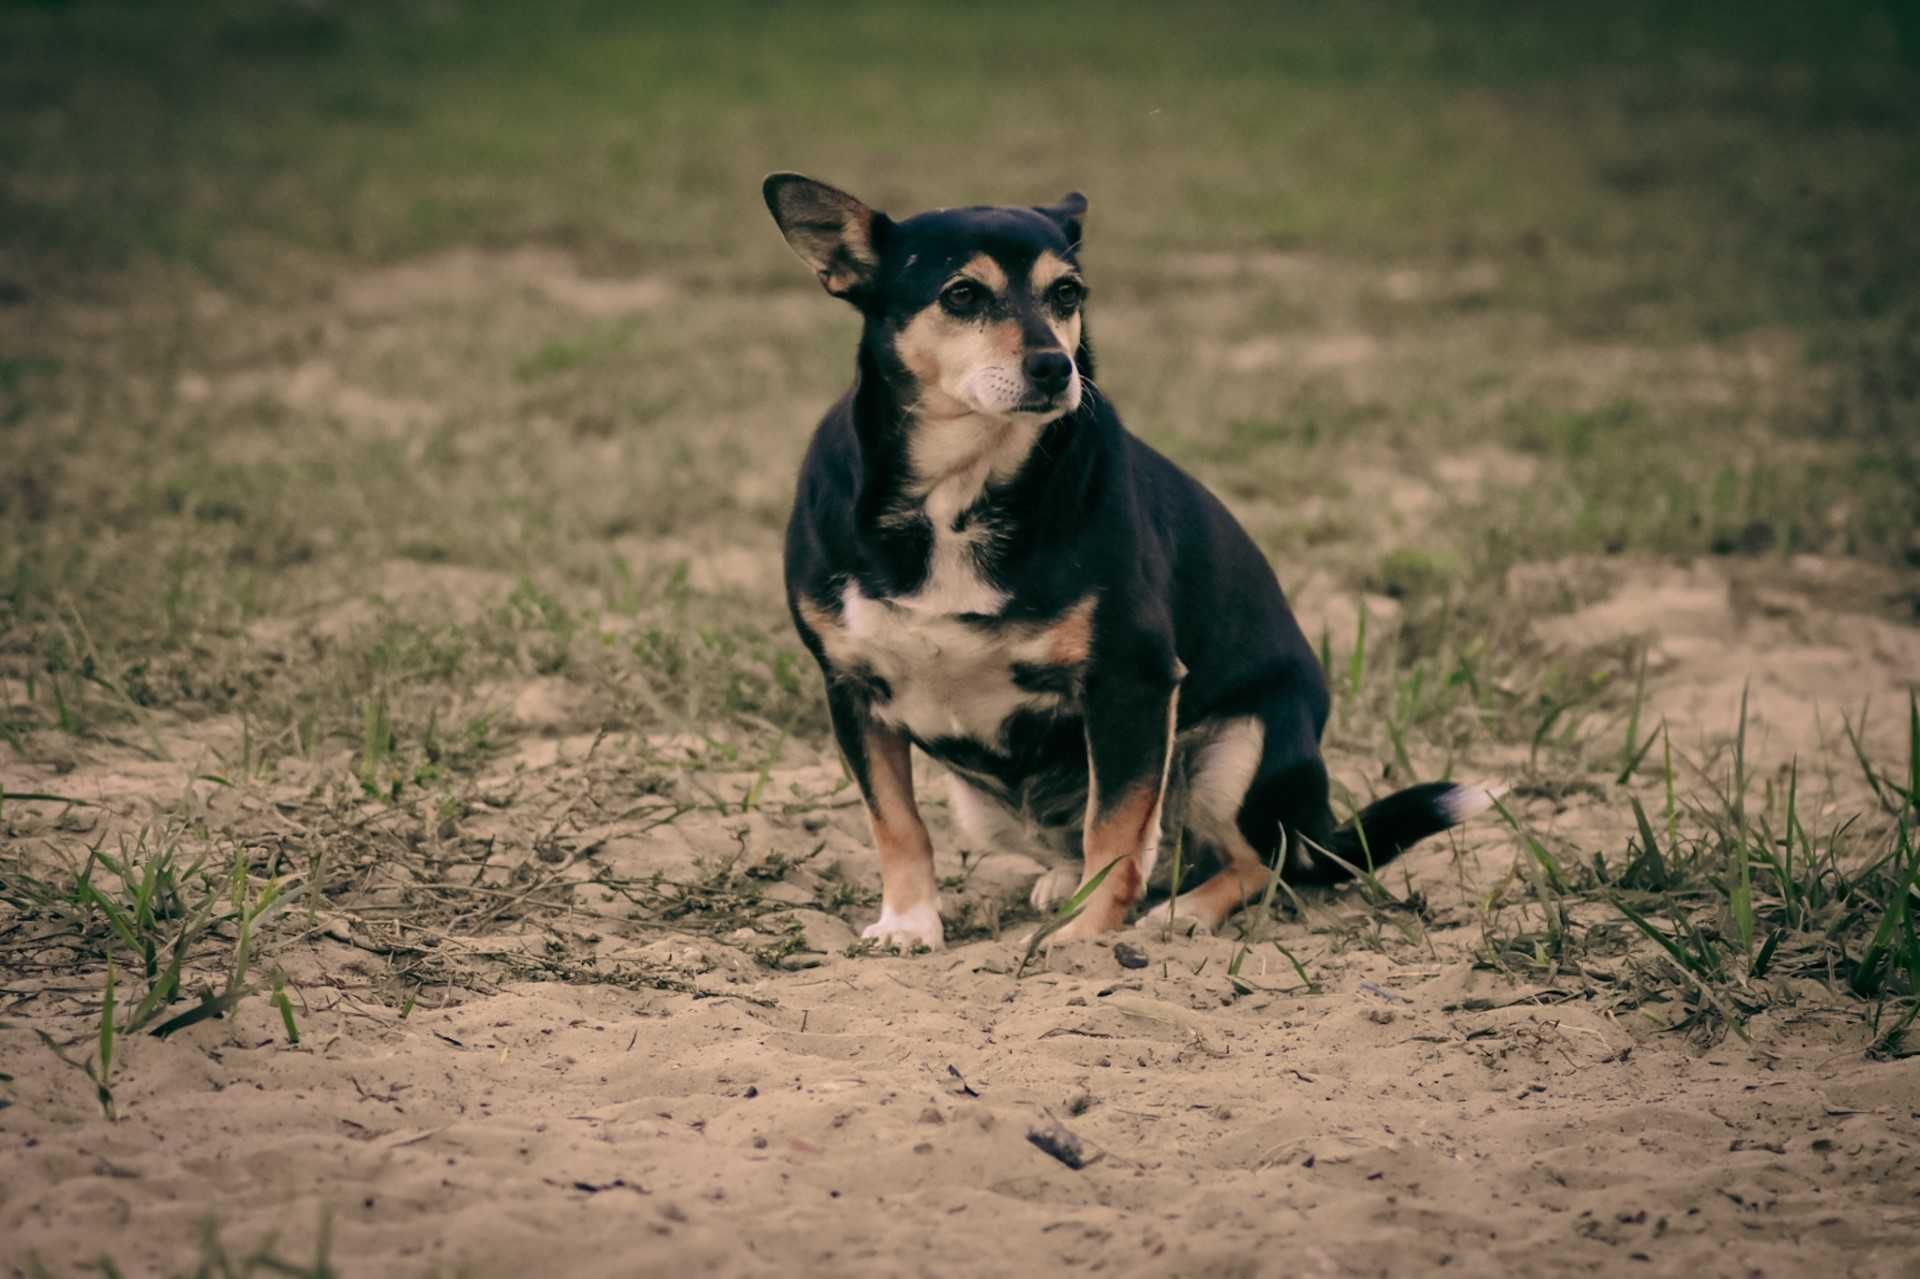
(881, 761)
(1130, 720)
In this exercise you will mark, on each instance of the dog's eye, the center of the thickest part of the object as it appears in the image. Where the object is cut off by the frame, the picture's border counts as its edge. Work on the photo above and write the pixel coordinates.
(1068, 295)
(963, 297)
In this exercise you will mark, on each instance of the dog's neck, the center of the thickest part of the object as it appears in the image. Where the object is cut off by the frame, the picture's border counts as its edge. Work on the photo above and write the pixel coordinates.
(952, 456)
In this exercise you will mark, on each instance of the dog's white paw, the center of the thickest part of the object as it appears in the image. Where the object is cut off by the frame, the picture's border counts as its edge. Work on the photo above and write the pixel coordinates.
(1184, 925)
(919, 926)
(1054, 887)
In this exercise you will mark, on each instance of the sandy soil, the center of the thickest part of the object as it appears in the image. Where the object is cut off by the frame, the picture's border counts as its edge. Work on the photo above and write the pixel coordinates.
(703, 1112)
(873, 1115)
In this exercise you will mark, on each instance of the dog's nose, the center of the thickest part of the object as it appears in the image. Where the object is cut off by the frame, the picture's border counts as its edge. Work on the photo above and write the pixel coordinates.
(1049, 371)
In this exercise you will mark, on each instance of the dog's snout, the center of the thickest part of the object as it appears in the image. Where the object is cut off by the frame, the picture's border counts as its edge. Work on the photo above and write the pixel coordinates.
(1049, 371)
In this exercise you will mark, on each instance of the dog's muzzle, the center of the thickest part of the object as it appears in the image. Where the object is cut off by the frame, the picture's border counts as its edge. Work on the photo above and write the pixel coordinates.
(1049, 376)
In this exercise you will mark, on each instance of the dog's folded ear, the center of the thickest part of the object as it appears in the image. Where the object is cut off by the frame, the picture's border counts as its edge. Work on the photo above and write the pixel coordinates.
(833, 233)
(1069, 215)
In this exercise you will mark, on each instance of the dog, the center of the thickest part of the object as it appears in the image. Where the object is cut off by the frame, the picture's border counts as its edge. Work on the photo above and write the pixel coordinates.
(988, 566)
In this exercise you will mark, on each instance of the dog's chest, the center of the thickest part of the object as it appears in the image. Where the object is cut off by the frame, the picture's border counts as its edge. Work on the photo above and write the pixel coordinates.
(941, 675)
(942, 662)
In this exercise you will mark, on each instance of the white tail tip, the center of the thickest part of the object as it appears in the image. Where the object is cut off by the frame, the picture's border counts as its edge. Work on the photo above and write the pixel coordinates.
(1463, 802)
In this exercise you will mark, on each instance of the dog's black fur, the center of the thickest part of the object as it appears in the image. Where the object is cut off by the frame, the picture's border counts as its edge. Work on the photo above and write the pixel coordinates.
(1185, 600)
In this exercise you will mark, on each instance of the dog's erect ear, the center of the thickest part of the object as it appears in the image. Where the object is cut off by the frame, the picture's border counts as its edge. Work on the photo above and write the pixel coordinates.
(833, 233)
(1069, 214)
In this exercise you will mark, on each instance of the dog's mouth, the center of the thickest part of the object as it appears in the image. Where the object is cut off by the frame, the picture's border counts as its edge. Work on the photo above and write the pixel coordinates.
(1063, 401)
(993, 393)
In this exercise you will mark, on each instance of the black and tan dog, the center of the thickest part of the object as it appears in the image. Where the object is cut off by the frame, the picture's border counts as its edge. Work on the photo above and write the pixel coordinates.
(988, 566)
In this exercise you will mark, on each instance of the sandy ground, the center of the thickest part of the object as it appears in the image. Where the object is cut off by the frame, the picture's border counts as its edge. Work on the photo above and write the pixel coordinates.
(873, 1115)
(702, 1112)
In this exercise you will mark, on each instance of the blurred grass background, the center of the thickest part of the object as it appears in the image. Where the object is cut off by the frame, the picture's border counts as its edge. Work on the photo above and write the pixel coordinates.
(1670, 146)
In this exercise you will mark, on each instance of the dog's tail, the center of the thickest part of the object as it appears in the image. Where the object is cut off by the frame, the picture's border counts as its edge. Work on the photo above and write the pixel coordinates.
(1388, 827)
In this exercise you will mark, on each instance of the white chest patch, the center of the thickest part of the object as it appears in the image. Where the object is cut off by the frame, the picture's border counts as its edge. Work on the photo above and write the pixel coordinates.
(948, 668)
(955, 459)
(945, 677)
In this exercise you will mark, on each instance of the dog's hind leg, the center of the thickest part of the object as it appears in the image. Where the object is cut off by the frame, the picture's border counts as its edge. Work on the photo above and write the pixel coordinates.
(1219, 775)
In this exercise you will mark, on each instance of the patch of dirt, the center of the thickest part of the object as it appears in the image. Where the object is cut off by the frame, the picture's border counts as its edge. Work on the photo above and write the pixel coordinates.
(1715, 630)
(871, 1114)
(604, 1012)
(467, 275)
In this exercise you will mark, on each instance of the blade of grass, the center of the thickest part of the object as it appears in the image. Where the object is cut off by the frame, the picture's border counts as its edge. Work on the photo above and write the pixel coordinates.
(1866, 977)
(1068, 911)
(285, 1006)
(1789, 890)
(1173, 897)
(1357, 662)
(1650, 855)
(1298, 967)
(1913, 750)
(1682, 960)
(1853, 736)
(1629, 757)
(106, 1026)
(1548, 863)
(1633, 760)
(1666, 739)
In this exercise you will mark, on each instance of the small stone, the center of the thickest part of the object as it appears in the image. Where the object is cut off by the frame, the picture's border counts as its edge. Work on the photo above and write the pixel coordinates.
(1128, 955)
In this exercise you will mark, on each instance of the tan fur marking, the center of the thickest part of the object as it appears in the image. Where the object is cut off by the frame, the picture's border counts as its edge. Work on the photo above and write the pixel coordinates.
(1070, 640)
(1068, 332)
(1220, 774)
(829, 628)
(1220, 894)
(1047, 268)
(940, 351)
(983, 268)
(970, 367)
(1007, 341)
(818, 619)
(918, 347)
(1126, 835)
(1121, 827)
(1115, 837)
(906, 853)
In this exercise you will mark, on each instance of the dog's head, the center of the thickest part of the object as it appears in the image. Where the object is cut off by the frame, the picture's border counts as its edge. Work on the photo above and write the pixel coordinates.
(974, 311)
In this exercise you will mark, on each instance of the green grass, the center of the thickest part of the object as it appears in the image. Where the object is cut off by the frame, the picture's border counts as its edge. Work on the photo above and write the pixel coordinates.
(216, 1260)
(1659, 180)
(1432, 295)
(155, 915)
(1741, 904)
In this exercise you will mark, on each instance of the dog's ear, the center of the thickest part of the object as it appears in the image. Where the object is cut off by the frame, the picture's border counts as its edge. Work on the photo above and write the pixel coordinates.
(1069, 215)
(833, 233)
